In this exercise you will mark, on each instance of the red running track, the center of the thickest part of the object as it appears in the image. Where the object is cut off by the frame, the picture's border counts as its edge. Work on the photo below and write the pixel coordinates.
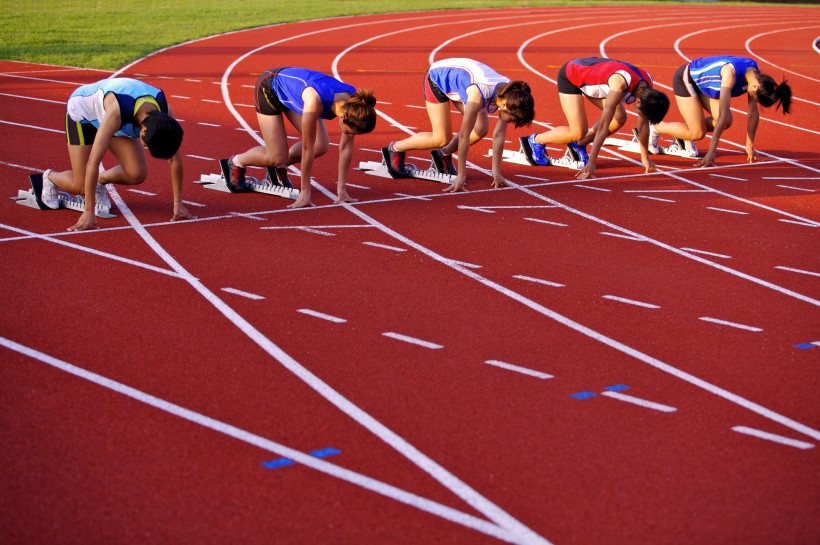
(624, 360)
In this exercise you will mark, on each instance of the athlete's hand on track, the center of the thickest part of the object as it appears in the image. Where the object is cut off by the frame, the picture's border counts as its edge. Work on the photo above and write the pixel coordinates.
(500, 181)
(87, 221)
(587, 172)
(181, 213)
(344, 197)
(459, 184)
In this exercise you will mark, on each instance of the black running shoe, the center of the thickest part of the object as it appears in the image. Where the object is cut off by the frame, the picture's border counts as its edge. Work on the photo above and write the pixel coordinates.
(444, 163)
(394, 161)
(233, 175)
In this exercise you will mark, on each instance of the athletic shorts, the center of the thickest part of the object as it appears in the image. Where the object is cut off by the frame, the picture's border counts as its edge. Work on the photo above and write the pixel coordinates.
(78, 133)
(266, 101)
(564, 85)
(682, 83)
(432, 92)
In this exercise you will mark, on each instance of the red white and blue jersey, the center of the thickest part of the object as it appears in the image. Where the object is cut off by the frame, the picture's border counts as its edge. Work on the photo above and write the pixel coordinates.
(454, 76)
(705, 73)
(290, 83)
(85, 105)
(591, 75)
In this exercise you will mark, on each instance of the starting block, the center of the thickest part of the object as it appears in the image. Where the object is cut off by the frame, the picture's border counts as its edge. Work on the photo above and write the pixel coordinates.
(375, 168)
(33, 199)
(252, 185)
(524, 157)
(677, 147)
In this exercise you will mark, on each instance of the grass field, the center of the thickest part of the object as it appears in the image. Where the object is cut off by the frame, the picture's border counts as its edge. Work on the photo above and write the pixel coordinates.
(108, 35)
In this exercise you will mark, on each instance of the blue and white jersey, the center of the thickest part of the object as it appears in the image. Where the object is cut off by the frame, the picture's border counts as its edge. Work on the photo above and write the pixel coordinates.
(454, 76)
(290, 83)
(705, 73)
(85, 105)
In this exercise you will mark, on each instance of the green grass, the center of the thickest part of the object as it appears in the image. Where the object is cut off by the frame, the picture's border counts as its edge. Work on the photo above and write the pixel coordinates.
(109, 34)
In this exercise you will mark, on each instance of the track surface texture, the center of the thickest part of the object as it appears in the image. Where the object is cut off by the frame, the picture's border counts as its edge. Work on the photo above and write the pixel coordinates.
(628, 359)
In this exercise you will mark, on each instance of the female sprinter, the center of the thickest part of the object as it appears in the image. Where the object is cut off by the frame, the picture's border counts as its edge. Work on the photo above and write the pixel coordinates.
(709, 84)
(120, 115)
(476, 90)
(608, 84)
(306, 98)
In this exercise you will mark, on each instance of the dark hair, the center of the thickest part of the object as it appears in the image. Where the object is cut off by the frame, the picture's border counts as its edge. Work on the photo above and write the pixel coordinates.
(770, 93)
(520, 103)
(163, 134)
(654, 104)
(360, 111)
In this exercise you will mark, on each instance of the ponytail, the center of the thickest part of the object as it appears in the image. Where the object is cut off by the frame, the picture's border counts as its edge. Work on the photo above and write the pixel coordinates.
(360, 111)
(771, 93)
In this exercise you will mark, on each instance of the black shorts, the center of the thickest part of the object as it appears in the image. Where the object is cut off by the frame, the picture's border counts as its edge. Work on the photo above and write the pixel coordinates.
(682, 83)
(78, 133)
(564, 85)
(266, 101)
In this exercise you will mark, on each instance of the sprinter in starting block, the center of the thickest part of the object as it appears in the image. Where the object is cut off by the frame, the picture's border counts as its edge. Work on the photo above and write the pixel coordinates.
(608, 84)
(306, 98)
(476, 90)
(120, 115)
(574, 157)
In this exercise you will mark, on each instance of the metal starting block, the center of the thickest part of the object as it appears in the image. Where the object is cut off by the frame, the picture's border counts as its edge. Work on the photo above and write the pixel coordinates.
(677, 147)
(32, 199)
(375, 168)
(524, 157)
(252, 185)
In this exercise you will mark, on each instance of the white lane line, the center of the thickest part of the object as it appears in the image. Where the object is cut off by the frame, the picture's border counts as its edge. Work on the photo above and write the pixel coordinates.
(538, 281)
(314, 231)
(797, 222)
(201, 157)
(630, 301)
(405, 195)
(555, 223)
(594, 188)
(412, 340)
(356, 186)
(518, 369)
(318, 464)
(385, 246)
(704, 252)
(773, 437)
(463, 264)
(204, 124)
(627, 237)
(640, 402)
(655, 198)
(322, 315)
(729, 177)
(244, 294)
(730, 324)
(142, 192)
(716, 209)
(799, 271)
(196, 204)
(797, 188)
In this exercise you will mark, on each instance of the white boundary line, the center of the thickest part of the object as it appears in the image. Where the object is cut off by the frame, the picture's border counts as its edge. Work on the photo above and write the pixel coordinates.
(773, 437)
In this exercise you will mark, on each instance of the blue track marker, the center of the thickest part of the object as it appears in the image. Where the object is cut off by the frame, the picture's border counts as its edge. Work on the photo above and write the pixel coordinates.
(806, 346)
(617, 388)
(582, 395)
(284, 462)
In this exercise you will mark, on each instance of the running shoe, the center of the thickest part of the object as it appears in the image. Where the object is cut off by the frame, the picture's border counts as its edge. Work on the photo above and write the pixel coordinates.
(444, 163)
(50, 195)
(395, 161)
(691, 148)
(536, 153)
(101, 197)
(654, 138)
(234, 176)
(579, 153)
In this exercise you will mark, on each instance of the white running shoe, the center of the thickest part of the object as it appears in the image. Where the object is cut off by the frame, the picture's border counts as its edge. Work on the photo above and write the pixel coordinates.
(654, 138)
(101, 196)
(50, 196)
(690, 147)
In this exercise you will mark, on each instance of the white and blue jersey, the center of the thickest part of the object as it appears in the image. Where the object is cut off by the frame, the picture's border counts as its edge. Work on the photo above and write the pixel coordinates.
(85, 105)
(289, 84)
(705, 73)
(454, 76)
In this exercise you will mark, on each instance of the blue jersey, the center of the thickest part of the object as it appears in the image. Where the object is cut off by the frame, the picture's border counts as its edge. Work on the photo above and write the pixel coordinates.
(454, 76)
(290, 83)
(705, 73)
(85, 105)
